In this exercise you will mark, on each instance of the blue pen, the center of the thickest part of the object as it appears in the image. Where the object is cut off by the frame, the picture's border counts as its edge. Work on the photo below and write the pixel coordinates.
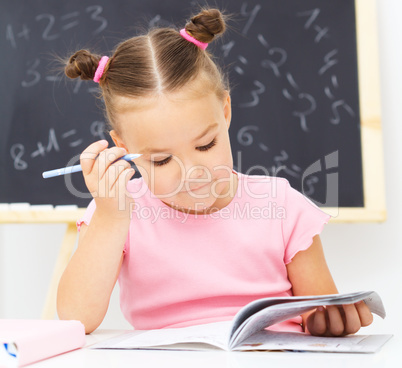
(78, 168)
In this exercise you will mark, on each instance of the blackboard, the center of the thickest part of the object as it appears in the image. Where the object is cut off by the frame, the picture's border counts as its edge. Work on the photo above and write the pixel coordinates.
(293, 71)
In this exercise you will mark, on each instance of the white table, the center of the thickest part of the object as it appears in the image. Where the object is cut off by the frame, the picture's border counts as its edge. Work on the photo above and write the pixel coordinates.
(389, 356)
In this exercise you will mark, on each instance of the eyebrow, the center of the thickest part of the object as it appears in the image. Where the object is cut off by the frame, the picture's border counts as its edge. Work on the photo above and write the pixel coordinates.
(163, 150)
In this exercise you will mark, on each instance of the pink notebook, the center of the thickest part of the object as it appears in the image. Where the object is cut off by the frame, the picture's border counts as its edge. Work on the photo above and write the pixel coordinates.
(27, 341)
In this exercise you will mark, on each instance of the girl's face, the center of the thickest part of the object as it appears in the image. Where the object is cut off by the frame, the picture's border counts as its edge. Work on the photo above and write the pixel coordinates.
(187, 160)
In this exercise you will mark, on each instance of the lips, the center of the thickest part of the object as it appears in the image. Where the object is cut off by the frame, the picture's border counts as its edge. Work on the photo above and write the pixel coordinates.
(195, 188)
(199, 187)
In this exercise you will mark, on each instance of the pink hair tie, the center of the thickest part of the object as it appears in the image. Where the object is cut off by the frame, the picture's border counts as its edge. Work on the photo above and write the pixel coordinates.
(201, 45)
(101, 67)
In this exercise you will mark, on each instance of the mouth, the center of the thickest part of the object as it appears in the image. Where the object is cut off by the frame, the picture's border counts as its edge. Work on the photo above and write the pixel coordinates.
(196, 188)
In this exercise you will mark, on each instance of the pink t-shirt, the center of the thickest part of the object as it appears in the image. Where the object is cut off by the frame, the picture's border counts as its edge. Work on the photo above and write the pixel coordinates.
(181, 269)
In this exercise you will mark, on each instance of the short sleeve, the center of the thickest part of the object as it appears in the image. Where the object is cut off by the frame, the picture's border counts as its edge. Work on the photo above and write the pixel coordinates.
(86, 219)
(302, 221)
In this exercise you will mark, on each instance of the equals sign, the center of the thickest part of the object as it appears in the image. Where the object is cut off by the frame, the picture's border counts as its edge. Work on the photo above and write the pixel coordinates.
(54, 78)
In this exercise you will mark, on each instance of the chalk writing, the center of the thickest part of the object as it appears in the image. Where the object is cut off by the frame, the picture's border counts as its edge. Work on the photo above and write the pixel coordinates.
(16, 152)
(52, 26)
(290, 63)
(252, 15)
(71, 137)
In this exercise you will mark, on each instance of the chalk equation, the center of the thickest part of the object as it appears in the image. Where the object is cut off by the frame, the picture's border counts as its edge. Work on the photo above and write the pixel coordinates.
(51, 27)
(54, 143)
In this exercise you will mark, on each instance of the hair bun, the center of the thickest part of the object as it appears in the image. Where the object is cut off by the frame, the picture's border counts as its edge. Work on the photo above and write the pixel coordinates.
(206, 25)
(82, 64)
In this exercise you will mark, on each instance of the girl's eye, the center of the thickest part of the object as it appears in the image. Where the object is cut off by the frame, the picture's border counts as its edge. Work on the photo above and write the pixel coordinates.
(163, 162)
(202, 148)
(208, 146)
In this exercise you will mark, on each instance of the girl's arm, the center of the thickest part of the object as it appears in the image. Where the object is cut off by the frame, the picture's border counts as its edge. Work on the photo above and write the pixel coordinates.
(87, 283)
(309, 275)
(88, 280)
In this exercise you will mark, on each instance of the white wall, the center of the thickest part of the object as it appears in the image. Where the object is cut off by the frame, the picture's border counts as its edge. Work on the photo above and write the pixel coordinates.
(360, 256)
(27, 257)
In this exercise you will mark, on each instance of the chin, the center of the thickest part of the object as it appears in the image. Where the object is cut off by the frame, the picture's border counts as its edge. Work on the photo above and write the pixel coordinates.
(196, 205)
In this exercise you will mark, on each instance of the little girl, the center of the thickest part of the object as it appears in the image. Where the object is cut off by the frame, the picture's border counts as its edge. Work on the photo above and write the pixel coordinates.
(192, 240)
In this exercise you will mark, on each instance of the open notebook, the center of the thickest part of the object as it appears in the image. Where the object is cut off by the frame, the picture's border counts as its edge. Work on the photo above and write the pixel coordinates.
(247, 330)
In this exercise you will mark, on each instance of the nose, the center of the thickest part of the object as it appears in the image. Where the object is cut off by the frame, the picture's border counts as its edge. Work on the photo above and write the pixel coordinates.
(195, 172)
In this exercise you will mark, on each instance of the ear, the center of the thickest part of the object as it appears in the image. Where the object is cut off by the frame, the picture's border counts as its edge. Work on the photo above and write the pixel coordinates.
(117, 140)
(227, 109)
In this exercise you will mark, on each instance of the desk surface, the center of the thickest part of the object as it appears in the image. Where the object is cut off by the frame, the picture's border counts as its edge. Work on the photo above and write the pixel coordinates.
(389, 356)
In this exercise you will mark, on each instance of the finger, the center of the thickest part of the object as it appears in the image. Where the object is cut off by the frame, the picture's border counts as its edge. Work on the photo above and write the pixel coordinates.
(366, 317)
(127, 175)
(336, 325)
(122, 181)
(89, 155)
(120, 187)
(352, 318)
(107, 158)
(316, 322)
(106, 185)
(114, 172)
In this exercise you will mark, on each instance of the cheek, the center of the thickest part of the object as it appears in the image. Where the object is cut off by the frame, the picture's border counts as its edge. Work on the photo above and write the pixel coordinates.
(163, 180)
(223, 161)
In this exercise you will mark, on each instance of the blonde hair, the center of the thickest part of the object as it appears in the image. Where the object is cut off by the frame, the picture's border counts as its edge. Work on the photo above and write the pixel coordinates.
(159, 62)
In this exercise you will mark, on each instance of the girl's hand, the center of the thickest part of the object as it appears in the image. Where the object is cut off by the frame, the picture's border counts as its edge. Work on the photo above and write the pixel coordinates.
(107, 181)
(342, 320)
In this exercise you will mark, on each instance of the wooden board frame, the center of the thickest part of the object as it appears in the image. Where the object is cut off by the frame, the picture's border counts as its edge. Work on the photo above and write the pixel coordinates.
(374, 209)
